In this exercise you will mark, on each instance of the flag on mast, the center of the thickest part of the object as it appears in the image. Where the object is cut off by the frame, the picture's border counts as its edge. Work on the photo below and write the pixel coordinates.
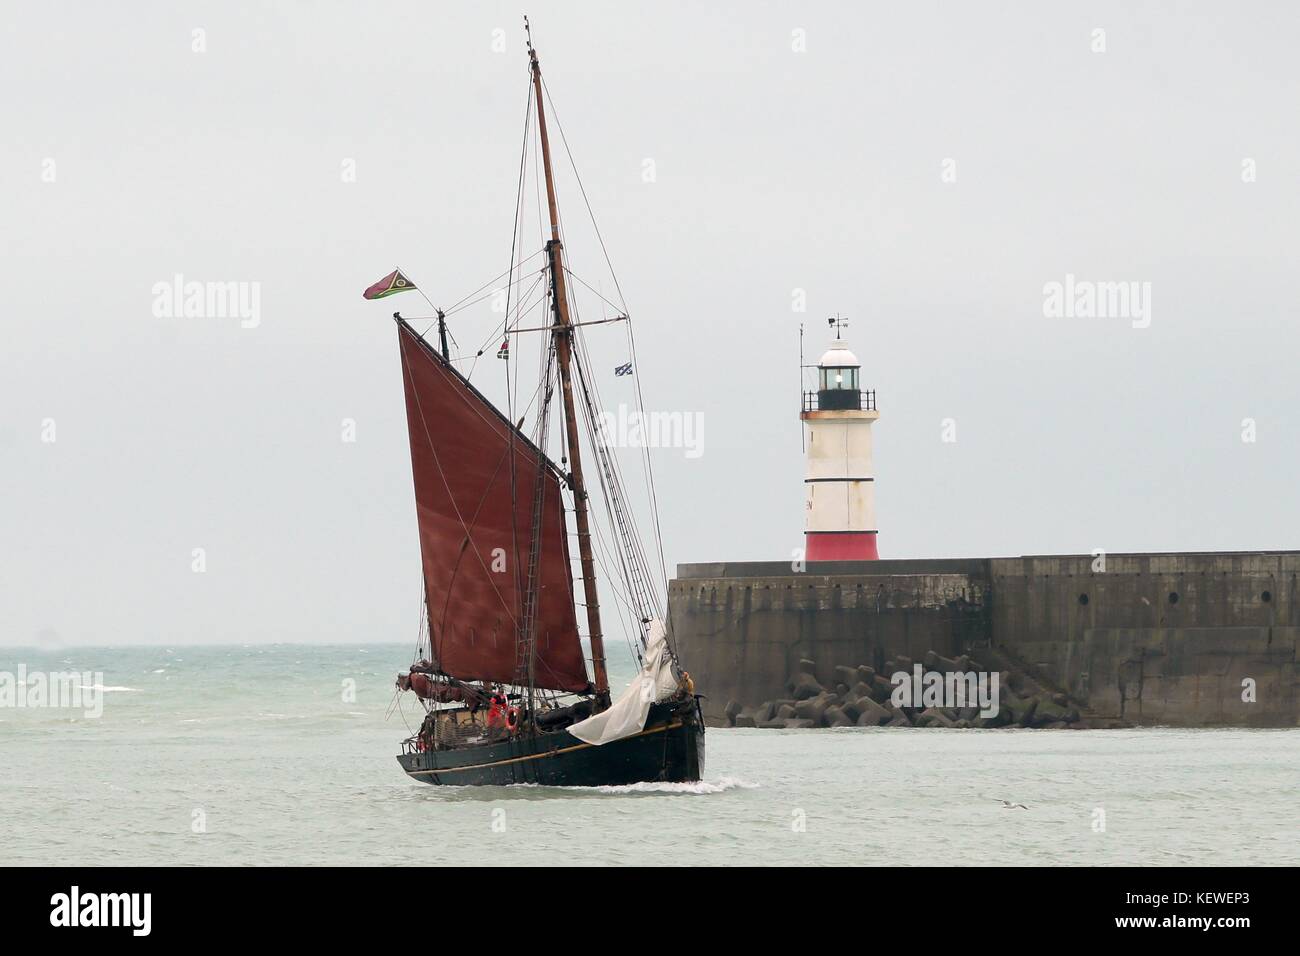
(390, 284)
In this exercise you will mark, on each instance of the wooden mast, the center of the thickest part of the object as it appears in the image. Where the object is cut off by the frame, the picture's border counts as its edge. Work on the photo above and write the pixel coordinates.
(563, 335)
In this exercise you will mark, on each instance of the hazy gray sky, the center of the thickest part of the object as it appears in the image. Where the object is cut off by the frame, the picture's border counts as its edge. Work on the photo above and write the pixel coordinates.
(782, 160)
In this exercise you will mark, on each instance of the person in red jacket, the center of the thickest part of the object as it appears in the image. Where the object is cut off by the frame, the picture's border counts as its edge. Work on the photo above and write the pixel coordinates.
(496, 718)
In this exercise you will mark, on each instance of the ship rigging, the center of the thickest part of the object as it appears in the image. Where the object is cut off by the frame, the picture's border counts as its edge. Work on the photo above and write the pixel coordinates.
(500, 671)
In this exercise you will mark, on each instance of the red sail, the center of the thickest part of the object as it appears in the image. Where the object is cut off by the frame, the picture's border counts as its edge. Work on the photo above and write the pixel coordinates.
(475, 562)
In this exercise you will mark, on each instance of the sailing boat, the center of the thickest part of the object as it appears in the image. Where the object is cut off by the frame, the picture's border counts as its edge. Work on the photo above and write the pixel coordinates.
(500, 673)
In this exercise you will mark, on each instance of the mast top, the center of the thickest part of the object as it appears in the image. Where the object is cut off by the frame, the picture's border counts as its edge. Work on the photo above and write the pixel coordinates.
(528, 40)
(562, 332)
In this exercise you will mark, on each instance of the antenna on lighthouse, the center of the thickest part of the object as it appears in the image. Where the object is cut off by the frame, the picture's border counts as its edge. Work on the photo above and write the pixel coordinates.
(802, 441)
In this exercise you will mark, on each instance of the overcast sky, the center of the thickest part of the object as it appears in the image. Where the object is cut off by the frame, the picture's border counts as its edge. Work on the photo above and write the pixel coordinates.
(925, 169)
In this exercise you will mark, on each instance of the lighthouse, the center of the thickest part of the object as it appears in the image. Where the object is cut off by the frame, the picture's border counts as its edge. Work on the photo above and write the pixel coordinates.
(839, 484)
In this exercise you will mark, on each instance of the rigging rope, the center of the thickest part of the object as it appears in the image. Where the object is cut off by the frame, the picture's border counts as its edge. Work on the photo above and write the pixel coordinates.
(619, 547)
(649, 472)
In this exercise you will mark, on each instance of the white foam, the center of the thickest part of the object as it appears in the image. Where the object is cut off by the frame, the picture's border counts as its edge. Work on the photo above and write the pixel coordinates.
(721, 785)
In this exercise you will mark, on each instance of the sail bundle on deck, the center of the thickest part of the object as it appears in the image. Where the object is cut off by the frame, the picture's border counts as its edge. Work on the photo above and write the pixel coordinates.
(476, 481)
(626, 716)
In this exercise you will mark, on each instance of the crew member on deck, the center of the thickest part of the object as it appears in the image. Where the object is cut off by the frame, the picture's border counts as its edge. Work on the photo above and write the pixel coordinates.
(496, 718)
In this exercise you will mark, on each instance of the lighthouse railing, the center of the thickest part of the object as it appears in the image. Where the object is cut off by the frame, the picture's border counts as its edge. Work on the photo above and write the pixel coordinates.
(842, 400)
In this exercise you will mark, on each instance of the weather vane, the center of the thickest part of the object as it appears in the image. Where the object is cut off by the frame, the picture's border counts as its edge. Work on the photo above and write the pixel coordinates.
(838, 323)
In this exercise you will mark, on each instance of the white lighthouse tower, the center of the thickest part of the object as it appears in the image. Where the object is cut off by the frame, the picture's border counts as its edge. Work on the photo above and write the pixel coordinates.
(839, 483)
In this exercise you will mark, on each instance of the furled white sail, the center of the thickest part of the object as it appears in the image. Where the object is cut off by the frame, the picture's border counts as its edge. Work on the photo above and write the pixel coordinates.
(626, 716)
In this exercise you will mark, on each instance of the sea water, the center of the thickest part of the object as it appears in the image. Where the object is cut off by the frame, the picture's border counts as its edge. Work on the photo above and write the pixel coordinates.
(285, 755)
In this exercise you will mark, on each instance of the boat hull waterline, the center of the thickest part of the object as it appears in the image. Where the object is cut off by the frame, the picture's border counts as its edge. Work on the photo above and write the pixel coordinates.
(670, 749)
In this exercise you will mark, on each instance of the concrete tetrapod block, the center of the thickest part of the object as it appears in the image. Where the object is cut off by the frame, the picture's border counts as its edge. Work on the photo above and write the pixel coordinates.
(835, 717)
(804, 686)
(871, 714)
(933, 717)
(814, 708)
(848, 676)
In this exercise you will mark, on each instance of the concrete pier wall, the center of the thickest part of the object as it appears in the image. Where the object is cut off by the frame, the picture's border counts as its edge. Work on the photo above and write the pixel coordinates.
(1152, 638)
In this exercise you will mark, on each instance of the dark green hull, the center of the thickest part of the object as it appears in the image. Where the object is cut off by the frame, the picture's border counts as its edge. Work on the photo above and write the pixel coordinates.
(670, 748)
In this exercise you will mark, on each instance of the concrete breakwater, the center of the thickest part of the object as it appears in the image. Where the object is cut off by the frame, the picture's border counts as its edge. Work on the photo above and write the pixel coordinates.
(1179, 639)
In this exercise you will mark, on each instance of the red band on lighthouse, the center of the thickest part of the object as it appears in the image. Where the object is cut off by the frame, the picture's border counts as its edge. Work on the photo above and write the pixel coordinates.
(841, 546)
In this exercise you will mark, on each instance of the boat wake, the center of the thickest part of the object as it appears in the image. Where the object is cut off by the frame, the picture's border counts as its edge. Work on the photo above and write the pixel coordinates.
(534, 791)
(697, 787)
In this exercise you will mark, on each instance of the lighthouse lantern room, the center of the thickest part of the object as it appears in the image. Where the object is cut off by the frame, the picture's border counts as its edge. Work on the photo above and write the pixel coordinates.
(839, 484)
